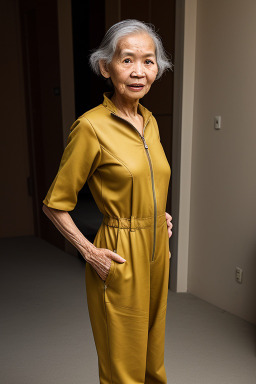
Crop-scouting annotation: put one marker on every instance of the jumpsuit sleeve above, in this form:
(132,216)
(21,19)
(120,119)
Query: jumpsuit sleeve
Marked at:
(79,160)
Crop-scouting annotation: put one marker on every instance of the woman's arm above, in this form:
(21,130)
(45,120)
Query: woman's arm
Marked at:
(99,258)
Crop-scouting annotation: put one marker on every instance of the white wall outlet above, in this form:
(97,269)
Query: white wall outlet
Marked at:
(217,122)
(239,274)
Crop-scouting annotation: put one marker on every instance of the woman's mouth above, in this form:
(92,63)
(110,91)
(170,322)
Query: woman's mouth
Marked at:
(135,87)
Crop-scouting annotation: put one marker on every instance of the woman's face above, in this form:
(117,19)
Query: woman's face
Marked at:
(133,67)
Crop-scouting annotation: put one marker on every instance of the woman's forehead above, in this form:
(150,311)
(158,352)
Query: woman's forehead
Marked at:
(134,43)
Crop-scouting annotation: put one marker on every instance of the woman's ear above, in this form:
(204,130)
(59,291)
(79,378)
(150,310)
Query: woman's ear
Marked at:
(104,69)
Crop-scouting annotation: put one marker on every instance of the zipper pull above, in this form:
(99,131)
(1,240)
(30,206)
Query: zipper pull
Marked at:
(145,145)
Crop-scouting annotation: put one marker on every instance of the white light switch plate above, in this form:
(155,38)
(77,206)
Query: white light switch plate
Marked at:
(217,122)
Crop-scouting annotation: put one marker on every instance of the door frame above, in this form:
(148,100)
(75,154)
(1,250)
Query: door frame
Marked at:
(184,77)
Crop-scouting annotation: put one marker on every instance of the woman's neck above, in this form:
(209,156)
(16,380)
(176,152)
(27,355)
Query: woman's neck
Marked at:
(125,107)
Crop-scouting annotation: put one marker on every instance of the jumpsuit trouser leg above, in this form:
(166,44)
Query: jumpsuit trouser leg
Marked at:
(128,310)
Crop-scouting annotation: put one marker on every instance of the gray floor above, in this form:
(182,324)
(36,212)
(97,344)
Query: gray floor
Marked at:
(46,335)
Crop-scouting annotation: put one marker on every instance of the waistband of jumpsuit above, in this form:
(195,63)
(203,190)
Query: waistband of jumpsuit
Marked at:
(133,222)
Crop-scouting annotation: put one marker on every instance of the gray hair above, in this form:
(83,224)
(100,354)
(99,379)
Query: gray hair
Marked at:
(123,28)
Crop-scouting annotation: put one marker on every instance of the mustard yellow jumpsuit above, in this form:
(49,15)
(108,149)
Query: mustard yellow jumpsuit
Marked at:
(128,175)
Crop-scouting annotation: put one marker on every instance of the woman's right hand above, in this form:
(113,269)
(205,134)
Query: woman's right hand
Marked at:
(100,260)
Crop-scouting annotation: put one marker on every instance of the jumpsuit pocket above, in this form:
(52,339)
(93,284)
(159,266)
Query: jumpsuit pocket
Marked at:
(111,272)
(114,264)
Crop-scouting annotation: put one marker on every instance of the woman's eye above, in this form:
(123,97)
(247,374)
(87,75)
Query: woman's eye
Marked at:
(127,60)
(149,61)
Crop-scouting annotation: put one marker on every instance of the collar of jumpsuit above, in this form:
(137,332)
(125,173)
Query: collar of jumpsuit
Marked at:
(112,108)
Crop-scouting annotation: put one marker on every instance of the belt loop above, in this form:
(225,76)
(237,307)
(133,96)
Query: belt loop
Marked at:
(118,219)
(132,228)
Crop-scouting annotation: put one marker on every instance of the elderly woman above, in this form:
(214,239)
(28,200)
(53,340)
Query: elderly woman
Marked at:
(116,148)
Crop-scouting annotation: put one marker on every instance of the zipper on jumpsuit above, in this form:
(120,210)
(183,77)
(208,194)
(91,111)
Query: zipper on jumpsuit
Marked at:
(152,175)
(154,197)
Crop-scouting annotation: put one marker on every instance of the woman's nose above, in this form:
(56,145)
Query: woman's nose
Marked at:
(138,70)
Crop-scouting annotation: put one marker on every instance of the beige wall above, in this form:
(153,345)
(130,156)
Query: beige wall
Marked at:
(223,178)
(16,216)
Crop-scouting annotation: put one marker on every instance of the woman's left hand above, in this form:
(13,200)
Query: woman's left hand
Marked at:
(169,227)
(169,223)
